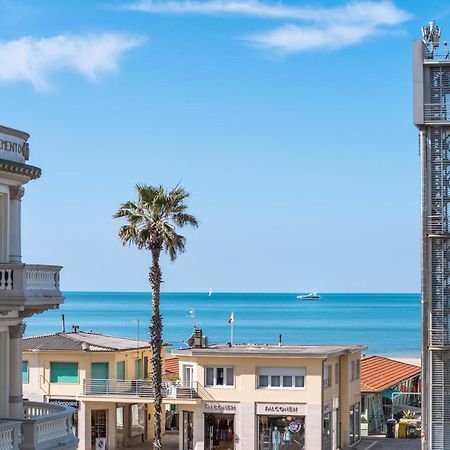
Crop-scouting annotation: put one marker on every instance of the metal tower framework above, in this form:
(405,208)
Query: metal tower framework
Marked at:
(431,78)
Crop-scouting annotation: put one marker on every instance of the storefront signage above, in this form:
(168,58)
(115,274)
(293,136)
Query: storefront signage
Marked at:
(220,407)
(280,409)
(65,402)
(13,148)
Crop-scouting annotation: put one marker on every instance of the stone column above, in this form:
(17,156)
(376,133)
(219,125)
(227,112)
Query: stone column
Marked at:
(4,374)
(84,426)
(15,371)
(15,244)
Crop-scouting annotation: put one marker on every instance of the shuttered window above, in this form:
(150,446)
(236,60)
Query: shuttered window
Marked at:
(63,372)
(120,370)
(25,378)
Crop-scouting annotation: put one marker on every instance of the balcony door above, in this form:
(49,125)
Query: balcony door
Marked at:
(188,376)
(99,375)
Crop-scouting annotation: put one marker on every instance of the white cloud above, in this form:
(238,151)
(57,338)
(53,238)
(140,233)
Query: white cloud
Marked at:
(34,60)
(318,27)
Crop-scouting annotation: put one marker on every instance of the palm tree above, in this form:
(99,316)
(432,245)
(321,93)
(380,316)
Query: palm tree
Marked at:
(152,223)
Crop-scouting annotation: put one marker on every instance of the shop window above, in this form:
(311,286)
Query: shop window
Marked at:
(327,432)
(327,376)
(279,377)
(355,423)
(219,376)
(25,373)
(219,432)
(64,372)
(281,432)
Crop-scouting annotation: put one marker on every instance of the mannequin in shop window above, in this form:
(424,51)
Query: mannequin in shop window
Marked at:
(287,438)
(276,439)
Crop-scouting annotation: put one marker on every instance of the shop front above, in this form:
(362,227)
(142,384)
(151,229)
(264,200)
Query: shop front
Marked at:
(280,426)
(219,425)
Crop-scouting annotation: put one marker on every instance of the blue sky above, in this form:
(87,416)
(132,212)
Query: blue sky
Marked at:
(290,124)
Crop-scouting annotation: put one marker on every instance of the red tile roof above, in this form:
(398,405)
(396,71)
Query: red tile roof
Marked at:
(379,373)
(172,366)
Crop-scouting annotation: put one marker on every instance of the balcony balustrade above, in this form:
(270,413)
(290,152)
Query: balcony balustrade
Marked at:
(10,437)
(47,426)
(29,281)
(141,389)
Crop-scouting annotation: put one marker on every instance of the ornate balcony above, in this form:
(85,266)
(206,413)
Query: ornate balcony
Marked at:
(45,427)
(10,437)
(31,287)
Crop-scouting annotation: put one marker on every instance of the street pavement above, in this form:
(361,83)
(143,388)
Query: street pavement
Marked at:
(384,443)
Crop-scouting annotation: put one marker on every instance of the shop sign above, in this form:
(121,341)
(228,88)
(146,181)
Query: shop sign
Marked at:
(220,407)
(327,406)
(13,148)
(65,402)
(280,409)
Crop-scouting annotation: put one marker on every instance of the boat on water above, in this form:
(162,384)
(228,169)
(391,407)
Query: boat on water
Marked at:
(312,296)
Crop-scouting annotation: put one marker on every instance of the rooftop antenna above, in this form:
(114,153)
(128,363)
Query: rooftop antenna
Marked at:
(430,36)
(63,323)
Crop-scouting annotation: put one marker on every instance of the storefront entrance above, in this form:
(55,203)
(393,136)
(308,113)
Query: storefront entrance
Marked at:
(281,432)
(219,432)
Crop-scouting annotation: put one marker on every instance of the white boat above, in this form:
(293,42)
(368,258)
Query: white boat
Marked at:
(312,296)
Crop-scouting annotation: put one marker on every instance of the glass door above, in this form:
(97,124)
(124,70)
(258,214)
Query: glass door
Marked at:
(188,430)
(188,376)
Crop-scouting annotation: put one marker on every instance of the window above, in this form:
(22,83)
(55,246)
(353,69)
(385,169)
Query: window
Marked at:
(281,378)
(63,372)
(354,369)
(327,375)
(336,373)
(138,368)
(120,370)
(25,378)
(219,376)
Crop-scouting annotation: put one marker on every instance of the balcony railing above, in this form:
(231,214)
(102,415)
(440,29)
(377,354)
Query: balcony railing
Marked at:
(47,426)
(29,280)
(436,112)
(10,438)
(140,389)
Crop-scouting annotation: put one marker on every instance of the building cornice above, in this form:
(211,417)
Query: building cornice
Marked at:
(31,172)
(13,132)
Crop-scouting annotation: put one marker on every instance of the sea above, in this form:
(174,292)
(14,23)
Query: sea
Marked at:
(389,324)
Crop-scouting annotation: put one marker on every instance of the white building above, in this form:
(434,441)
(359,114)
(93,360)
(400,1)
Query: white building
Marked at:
(25,289)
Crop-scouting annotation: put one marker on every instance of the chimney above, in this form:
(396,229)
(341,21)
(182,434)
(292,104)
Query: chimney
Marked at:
(75,328)
(63,323)
(198,338)
(280,337)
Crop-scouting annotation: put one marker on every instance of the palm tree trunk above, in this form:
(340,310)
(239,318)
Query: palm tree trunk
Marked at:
(156,343)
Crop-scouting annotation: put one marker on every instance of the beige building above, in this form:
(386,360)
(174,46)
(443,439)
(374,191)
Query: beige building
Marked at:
(270,397)
(105,378)
(25,290)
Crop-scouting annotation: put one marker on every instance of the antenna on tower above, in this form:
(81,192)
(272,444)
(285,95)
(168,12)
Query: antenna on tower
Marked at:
(430,36)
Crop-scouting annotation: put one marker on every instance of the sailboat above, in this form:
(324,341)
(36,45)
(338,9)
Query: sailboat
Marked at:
(210,292)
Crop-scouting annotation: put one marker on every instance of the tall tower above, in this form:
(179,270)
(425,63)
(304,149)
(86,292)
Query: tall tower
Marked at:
(431,81)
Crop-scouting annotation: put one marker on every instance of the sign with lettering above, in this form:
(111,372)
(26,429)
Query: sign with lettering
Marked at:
(280,409)
(220,407)
(13,148)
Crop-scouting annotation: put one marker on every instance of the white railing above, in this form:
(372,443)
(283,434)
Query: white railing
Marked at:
(9,435)
(29,280)
(437,224)
(138,388)
(47,426)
